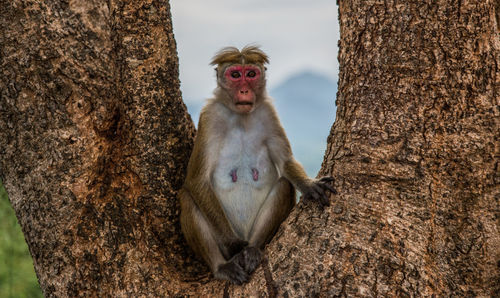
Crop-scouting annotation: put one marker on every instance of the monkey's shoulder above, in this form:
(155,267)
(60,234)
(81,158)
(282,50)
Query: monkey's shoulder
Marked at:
(213,120)
(214,111)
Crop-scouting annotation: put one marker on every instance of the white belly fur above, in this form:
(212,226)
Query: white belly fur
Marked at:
(241,200)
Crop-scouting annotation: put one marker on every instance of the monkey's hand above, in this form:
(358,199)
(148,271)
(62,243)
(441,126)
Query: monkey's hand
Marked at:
(249,258)
(233,272)
(238,269)
(317,190)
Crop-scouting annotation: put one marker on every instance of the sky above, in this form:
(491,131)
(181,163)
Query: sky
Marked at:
(298,35)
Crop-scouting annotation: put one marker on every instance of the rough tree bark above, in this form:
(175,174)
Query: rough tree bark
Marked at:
(94,139)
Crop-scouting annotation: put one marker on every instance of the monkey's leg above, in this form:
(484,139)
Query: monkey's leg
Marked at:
(275,209)
(278,204)
(200,236)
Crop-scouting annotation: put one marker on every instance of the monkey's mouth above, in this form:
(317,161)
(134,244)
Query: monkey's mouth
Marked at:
(244,106)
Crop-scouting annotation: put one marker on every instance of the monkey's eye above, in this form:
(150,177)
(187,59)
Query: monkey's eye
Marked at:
(251,74)
(235,74)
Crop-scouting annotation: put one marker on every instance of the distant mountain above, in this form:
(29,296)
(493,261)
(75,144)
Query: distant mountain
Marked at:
(306,107)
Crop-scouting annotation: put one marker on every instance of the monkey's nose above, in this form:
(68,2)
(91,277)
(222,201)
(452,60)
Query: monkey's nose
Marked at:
(243,91)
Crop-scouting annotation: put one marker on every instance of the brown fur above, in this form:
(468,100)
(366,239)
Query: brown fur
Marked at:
(198,186)
(295,172)
(247,55)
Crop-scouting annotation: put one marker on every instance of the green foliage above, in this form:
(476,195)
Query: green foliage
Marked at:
(17,276)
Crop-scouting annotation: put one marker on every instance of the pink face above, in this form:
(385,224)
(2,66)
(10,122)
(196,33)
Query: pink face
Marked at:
(243,80)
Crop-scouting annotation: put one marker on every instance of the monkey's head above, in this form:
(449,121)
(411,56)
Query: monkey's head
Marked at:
(241,74)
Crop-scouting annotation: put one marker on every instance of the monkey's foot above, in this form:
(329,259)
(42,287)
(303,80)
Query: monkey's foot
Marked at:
(232,272)
(249,258)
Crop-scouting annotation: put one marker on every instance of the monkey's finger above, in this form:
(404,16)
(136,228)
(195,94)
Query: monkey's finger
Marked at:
(329,187)
(233,272)
(327,179)
(311,195)
(253,256)
(239,259)
(239,277)
(315,195)
(321,195)
(325,200)
(319,190)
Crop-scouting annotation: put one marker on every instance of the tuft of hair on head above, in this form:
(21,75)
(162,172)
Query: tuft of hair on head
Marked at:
(248,55)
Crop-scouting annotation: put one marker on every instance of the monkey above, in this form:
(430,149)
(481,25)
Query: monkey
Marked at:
(241,176)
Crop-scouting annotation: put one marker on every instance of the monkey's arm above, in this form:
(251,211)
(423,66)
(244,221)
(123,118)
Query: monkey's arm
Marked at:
(310,188)
(281,154)
(198,185)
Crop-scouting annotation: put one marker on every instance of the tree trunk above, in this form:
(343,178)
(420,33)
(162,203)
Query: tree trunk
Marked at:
(415,151)
(94,143)
(95,140)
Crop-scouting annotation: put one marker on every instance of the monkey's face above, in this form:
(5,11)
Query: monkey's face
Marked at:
(244,83)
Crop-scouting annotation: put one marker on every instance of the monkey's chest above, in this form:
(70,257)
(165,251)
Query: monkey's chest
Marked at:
(243,177)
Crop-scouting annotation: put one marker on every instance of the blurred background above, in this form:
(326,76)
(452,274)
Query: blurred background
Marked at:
(301,39)
(17,276)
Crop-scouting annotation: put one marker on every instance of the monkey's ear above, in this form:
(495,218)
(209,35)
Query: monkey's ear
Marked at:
(216,71)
